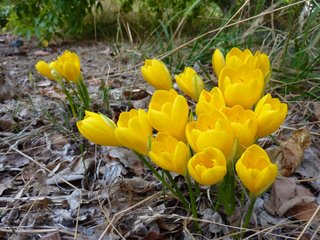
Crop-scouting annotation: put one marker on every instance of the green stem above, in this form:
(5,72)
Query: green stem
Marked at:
(226,191)
(177,189)
(69,97)
(193,202)
(249,212)
(83,92)
(164,182)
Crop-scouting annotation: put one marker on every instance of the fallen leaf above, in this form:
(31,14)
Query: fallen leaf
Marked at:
(74,200)
(290,154)
(287,195)
(137,184)
(304,212)
(69,171)
(128,158)
(112,170)
(310,168)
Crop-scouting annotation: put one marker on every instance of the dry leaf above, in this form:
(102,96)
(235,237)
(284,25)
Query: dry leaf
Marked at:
(128,158)
(304,212)
(310,168)
(69,171)
(292,151)
(137,184)
(287,195)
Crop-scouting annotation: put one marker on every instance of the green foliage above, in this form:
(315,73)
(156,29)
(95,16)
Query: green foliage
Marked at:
(172,13)
(47,18)
(4,12)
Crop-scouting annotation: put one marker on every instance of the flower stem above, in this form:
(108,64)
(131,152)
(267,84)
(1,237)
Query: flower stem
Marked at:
(226,192)
(177,190)
(193,202)
(249,212)
(178,194)
(69,97)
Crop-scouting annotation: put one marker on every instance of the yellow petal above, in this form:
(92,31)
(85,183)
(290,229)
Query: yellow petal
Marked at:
(218,62)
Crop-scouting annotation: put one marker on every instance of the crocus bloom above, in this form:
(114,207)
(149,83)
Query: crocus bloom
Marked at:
(255,170)
(236,58)
(56,69)
(210,101)
(70,63)
(134,131)
(98,128)
(270,114)
(168,112)
(169,153)
(190,83)
(208,166)
(44,69)
(244,124)
(243,86)
(211,130)
(156,74)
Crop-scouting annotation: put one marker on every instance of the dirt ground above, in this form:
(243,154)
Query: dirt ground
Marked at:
(49,190)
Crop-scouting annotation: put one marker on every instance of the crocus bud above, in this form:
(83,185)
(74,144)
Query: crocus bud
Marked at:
(156,74)
(255,170)
(218,62)
(134,131)
(98,128)
(168,112)
(208,166)
(169,153)
(44,69)
(270,114)
(190,83)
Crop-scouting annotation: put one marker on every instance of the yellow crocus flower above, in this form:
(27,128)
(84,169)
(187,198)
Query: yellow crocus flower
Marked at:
(98,128)
(210,101)
(44,69)
(134,131)
(156,74)
(168,112)
(244,125)
(208,166)
(211,130)
(255,170)
(243,86)
(169,153)
(190,83)
(270,114)
(236,58)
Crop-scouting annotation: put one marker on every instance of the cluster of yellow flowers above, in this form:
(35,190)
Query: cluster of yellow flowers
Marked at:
(66,66)
(222,134)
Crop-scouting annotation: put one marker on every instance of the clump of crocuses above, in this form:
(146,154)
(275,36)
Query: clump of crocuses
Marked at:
(66,71)
(209,145)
